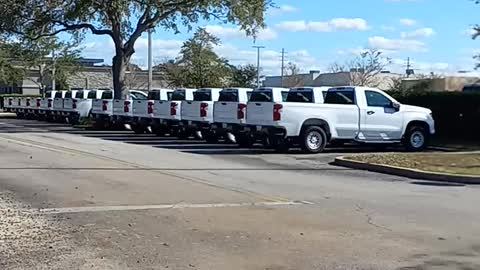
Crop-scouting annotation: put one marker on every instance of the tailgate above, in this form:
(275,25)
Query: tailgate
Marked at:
(58,104)
(140,107)
(161,109)
(225,112)
(68,104)
(191,110)
(97,106)
(118,107)
(260,113)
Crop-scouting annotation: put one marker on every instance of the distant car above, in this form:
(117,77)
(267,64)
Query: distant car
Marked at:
(471,88)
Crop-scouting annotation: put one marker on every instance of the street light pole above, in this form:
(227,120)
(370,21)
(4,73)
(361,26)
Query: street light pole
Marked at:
(150,72)
(258,63)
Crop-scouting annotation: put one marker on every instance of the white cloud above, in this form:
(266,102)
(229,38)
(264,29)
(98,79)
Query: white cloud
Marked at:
(336,24)
(383,43)
(407,22)
(388,28)
(468,32)
(230,32)
(351,51)
(419,33)
(281,10)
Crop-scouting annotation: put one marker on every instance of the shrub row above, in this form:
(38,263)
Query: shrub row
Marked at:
(456,114)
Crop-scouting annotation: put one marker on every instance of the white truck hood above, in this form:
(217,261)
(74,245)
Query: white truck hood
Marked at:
(410,108)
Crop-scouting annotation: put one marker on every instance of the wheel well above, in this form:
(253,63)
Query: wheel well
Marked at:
(418,123)
(319,123)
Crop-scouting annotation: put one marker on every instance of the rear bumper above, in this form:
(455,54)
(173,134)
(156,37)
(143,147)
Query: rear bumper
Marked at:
(262,131)
(227,128)
(195,125)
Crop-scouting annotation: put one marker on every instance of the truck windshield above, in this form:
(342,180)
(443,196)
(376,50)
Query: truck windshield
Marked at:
(79,94)
(340,97)
(228,96)
(301,96)
(107,95)
(154,95)
(92,94)
(138,95)
(68,94)
(179,95)
(58,95)
(261,96)
(202,95)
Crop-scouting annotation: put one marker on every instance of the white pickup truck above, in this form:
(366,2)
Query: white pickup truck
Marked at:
(167,114)
(78,104)
(102,109)
(123,108)
(230,112)
(46,105)
(143,110)
(197,114)
(360,114)
(57,110)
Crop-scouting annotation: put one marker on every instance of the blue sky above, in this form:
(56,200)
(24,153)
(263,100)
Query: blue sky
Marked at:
(435,34)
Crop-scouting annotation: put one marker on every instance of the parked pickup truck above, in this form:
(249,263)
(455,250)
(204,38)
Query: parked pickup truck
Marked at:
(123,108)
(102,109)
(167,114)
(46,105)
(359,114)
(143,110)
(229,114)
(78,104)
(8,104)
(263,110)
(197,114)
(57,110)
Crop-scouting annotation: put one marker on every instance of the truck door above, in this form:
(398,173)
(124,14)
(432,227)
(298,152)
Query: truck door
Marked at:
(380,121)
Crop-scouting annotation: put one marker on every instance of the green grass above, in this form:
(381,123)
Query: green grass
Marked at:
(462,164)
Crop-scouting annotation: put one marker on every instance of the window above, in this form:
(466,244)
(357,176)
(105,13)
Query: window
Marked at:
(92,94)
(342,97)
(179,95)
(58,95)
(107,95)
(154,95)
(249,94)
(138,95)
(68,94)
(48,94)
(202,95)
(79,94)
(375,99)
(228,95)
(284,95)
(261,96)
(301,96)
(169,95)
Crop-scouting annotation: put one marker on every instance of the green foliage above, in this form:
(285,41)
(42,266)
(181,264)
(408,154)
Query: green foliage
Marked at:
(456,114)
(243,76)
(9,74)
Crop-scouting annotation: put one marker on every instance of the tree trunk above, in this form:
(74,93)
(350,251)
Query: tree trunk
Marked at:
(119,68)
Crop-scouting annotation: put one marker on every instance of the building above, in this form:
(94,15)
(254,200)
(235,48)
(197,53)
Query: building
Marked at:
(446,83)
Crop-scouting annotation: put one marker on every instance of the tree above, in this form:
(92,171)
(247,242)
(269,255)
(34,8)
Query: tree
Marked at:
(244,76)
(9,74)
(173,72)
(292,76)
(364,69)
(51,59)
(124,21)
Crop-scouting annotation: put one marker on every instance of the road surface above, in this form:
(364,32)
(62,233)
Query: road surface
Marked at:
(76,199)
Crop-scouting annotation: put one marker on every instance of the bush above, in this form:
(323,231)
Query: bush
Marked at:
(456,114)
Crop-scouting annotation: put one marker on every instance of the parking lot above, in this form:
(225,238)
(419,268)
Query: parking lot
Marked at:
(84,199)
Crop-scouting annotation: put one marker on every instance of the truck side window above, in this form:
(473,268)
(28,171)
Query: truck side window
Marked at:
(92,94)
(340,97)
(79,94)
(375,99)
(154,95)
(301,96)
(58,95)
(68,94)
(179,95)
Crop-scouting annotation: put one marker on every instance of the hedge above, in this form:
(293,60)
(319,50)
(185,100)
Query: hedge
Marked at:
(456,114)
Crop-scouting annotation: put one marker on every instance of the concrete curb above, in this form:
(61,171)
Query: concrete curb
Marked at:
(410,173)
(7,115)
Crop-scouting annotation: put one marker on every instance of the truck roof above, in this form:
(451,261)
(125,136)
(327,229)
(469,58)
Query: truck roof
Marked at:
(272,88)
(321,88)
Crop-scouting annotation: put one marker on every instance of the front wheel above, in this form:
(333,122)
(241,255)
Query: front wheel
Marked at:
(313,140)
(416,139)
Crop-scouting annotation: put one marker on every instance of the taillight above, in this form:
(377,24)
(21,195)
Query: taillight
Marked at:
(126,106)
(104,105)
(28,102)
(74,103)
(150,108)
(203,109)
(277,112)
(38,103)
(241,111)
(173,108)
(49,103)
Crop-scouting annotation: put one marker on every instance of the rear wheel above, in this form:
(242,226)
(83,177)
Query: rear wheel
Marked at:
(313,140)
(416,139)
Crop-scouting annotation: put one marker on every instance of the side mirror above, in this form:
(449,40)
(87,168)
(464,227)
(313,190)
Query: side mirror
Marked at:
(396,106)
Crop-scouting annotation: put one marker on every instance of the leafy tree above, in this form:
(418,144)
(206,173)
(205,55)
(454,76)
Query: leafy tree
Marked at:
(53,60)
(9,74)
(244,76)
(124,21)
(173,72)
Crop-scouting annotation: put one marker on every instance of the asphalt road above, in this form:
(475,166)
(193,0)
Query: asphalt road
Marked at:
(76,199)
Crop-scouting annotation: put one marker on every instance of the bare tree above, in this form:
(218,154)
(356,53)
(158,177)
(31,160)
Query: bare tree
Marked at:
(292,76)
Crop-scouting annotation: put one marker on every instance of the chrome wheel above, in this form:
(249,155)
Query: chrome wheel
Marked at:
(417,139)
(314,140)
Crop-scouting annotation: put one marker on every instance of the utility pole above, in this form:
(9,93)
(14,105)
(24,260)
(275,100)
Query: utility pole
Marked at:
(150,72)
(283,65)
(258,63)
(54,83)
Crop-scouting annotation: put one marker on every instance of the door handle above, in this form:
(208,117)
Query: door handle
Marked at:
(370,112)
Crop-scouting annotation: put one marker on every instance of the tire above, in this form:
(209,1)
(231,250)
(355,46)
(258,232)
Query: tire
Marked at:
(416,139)
(313,140)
